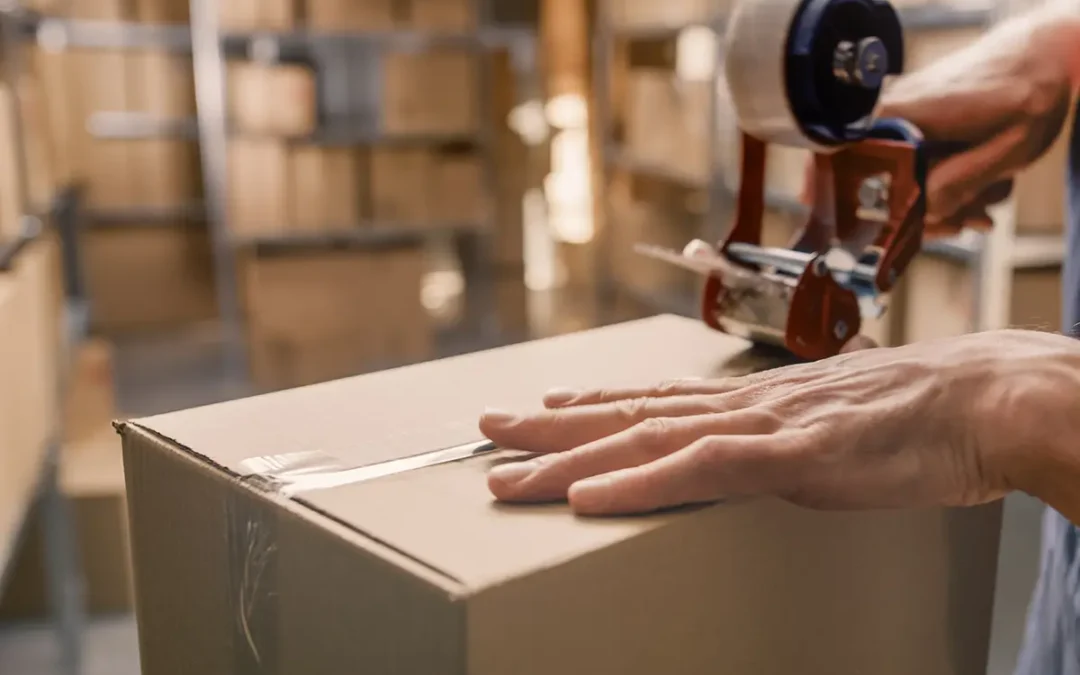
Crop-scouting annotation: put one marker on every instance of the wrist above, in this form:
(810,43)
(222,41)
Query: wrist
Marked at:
(1039,402)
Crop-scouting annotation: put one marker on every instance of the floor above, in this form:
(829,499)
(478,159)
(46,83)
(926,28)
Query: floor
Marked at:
(192,367)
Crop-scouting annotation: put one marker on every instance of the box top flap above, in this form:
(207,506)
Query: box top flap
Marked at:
(444,515)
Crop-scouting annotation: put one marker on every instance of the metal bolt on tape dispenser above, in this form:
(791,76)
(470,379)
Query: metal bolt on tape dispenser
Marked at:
(808,73)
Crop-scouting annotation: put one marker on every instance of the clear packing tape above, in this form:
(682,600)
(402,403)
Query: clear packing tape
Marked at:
(252,520)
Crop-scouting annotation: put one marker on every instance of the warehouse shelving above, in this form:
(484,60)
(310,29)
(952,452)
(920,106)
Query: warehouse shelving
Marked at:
(992,257)
(473,241)
(210,45)
(62,573)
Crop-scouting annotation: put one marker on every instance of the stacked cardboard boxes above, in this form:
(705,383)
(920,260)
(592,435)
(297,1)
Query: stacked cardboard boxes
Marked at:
(349,15)
(140,247)
(30,347)
(292,175)
(92,477)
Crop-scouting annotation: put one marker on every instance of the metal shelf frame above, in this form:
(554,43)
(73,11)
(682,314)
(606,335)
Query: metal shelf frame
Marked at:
(473,243)
(722,194)
(210,44)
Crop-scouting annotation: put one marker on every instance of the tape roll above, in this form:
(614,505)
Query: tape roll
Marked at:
(808,73)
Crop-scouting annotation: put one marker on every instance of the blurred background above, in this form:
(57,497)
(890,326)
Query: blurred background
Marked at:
(207,200)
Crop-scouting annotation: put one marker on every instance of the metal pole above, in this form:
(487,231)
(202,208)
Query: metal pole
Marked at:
(210,97)
(475,246)
(602,58)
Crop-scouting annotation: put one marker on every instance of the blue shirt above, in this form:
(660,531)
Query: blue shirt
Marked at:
(1052,640)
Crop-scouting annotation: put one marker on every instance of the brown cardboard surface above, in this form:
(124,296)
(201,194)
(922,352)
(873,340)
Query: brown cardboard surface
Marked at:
(326,187)
(272,99)
(92,477)
(422,572)
(148,277)
(430,92)
(29,369)
(314,316)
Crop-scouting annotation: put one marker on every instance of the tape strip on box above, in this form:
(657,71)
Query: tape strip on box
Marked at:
(252,523)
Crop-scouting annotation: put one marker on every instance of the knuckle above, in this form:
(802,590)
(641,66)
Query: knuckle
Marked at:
(651,431)
(765,420)
(632,409)
(671,387)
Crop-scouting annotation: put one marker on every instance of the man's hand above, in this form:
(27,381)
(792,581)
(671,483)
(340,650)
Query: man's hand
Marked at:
(959,421)
(1006,97)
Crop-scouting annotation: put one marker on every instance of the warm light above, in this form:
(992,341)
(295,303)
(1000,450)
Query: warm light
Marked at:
(568,111)
(696,53)
(527,121)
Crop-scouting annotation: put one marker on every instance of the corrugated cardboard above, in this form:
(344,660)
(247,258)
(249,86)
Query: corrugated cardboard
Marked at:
(666,121)
(92,477)
(164,11)
(315,315)
(163,84)
(401,186)
(430,92)
(29,371)
(272,99)
(420,572)
(148,277)
(100,83)
(258,188)
(167,173)
(640,13)
(103,10)
(12,203)
(448,16)
(460,191)
(259,14)
(350,15)
(326,186)
(104,557)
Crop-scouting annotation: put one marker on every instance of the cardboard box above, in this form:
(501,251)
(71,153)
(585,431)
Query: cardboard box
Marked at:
(163,84)
(272,99)
(647,13)
(420,572)
(666,120)
(259,14)
(12,204)
(51,70)
(312,314)
(512,303)
(459,188)
(91,391)
(164,11)
(29,374)
(430,92)
(100,83)
(327,188)
(258,188)
(941,299)
(444,16)
(92,477)
(100,10)
(401,186)
(167,173)
(350,15)
(148,277)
